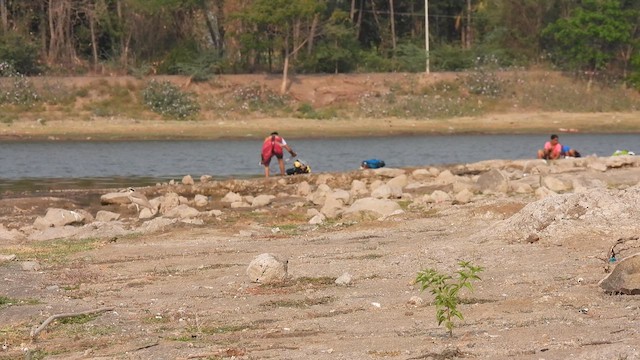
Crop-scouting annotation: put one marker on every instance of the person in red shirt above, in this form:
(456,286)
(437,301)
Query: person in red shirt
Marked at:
(272,146)
(552,149)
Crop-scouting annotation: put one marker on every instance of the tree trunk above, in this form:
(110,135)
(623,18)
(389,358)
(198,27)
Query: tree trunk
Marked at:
(3,17)
(297,24)
(375,15)
(393,27)
(91,11)
(359,25)
(468,36)
(352,12)
(285,69)
(312,33)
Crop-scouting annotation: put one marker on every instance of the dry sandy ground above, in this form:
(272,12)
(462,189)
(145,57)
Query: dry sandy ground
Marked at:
(511,123)
(183,293)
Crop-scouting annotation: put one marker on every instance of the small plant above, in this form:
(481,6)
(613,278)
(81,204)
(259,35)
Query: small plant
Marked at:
(445,289)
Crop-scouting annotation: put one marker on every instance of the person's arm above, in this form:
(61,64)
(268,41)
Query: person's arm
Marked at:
(289,149)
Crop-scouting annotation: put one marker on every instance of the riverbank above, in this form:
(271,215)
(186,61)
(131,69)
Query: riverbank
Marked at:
(255,128)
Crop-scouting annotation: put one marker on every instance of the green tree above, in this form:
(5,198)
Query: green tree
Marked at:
(593,36)
(280,23)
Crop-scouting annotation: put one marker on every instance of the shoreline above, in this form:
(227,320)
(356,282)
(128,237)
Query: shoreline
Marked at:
(102,129)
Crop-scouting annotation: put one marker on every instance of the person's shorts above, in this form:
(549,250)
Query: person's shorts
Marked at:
(266,162)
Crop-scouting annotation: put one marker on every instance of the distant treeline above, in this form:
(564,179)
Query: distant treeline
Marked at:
(205,37)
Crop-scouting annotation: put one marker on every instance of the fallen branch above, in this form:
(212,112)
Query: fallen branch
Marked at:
(35,332)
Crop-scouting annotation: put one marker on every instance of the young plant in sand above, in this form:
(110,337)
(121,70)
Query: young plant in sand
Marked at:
(445,288)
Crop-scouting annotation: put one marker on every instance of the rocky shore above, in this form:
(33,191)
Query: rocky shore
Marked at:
(174,268)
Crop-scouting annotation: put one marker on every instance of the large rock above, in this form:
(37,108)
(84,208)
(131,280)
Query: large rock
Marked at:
(377,207)
(624,278)
(267,268)
(494,181)
(115,198)
(182,212)
(262,200)
(58,218)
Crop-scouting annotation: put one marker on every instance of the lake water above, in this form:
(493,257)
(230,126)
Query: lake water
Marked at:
(111,164)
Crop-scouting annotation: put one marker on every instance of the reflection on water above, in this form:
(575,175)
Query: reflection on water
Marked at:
(45,165)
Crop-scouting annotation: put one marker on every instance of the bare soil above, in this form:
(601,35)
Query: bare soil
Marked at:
(183,293)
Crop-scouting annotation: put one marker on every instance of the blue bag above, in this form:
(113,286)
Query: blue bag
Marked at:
(372,164)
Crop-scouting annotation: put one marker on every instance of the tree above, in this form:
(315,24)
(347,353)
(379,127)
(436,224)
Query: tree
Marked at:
(279,23)
(593,36)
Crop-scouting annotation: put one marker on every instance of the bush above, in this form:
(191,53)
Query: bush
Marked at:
(168,100)
(20,53)
(18,90)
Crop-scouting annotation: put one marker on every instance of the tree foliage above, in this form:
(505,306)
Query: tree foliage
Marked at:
(593,36)
(200,36)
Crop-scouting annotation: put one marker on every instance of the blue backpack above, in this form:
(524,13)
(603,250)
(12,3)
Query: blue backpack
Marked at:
(372,164)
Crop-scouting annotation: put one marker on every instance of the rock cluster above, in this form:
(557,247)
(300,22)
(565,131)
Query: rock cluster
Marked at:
(566,189)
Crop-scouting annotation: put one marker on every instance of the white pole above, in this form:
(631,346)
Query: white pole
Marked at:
(426,30)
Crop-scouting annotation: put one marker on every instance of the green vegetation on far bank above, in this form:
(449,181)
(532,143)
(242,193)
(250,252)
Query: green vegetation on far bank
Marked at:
(404,96)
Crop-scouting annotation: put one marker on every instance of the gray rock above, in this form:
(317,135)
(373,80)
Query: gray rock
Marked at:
(555,184)
(494,181)
(267,268)
(187,180)
(624,278)
(57,218)
(106,216)
(115,198)
(182,212)
(5,258)
(30,266)
(200,200)
(262,200)
(378,207)
(344,279)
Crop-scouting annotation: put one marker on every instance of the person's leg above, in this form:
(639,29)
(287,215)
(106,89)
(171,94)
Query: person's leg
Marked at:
(266,167)
(540,154)
(281,164)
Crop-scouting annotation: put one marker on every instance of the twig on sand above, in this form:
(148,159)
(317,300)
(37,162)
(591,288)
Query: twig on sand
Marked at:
(36,331)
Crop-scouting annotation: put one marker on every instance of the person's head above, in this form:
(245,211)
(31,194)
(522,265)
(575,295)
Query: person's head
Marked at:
(554,139)
(274,133)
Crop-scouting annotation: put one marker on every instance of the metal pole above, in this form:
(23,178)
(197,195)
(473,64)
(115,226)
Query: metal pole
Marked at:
(426,30)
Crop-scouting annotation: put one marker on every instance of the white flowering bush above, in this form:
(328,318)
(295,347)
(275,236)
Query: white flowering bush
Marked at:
(168,100)
(18,90)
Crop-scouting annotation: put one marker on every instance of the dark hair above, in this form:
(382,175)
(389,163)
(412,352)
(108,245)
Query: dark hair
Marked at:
(274,133)
(554,136)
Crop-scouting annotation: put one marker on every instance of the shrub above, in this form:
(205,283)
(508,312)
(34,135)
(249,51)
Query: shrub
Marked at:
(18,90)
(167,99)
(446,288)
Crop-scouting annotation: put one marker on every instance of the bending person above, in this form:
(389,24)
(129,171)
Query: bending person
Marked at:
(272,146)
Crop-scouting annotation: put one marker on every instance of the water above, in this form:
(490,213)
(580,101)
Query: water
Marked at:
(113,164)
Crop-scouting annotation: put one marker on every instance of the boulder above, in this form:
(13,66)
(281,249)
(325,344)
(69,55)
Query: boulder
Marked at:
(267,268)
(58,218)
(377,207)
(115,198)
(262,200)
(200,200)
(624,278)
(494,181)
(187,180)
(231,197)
(106,216)
(182,212)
